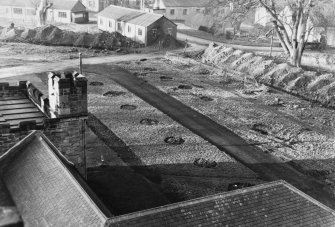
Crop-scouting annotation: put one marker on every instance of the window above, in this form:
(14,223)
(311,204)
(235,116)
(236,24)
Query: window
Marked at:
(154,33)
(17,10)
(198,10)
(31,12)
(119,27)
(110,24)
(171,11)
(62,14)
(185,12)
(91,4)
(129,28)
(101,21)
(140,32)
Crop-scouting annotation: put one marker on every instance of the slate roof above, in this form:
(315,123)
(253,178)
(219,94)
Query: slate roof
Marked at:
(185,3)
(130,15)
(271,204)
(17,109)
(45,187)
(72,5)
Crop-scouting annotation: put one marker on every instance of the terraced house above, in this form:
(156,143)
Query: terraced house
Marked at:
(60,11)
(140,26)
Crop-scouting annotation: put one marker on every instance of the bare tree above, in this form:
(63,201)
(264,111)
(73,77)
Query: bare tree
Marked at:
(291,20)
(229,11)
(41,7)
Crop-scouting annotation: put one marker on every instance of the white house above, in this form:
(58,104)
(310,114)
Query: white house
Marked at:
(60,12)
(140,26)
(178,10)
(263,18)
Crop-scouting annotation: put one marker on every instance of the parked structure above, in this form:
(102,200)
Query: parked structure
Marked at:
(60,11)
(178,10)
(140,26)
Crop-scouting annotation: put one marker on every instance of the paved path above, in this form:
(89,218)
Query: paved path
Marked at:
(266,165)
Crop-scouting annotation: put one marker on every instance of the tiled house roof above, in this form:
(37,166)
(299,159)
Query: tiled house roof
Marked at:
(46,189)
(272,204)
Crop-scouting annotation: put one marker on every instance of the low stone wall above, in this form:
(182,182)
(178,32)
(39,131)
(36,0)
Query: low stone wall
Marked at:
(307,84)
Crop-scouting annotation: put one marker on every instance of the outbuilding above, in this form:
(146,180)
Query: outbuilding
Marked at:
(142,27)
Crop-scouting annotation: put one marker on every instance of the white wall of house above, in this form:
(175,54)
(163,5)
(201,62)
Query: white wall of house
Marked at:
(19,13)
(27,14)
(62,16)
(136,33)
(130,31)
(141,37)
(331,36)
(91,5)
(262,17)
(102,23)
(179,13)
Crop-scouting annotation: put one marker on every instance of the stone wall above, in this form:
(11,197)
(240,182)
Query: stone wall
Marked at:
(9,91)
(68,135)
(66,114)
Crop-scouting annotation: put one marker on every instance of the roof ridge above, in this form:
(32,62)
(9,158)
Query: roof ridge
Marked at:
(197,200)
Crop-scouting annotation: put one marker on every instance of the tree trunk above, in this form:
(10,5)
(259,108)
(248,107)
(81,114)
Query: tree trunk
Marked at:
(295,57)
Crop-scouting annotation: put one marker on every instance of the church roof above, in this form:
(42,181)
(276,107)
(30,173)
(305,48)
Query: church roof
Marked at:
(272,204)
(46,188)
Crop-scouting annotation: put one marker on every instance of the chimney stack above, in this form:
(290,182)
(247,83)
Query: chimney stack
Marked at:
(67,95)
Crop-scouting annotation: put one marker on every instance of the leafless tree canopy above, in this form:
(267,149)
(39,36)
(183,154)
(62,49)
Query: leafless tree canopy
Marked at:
(291,19)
